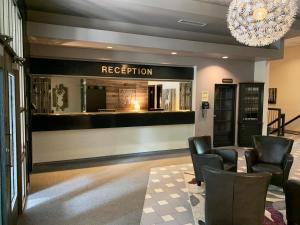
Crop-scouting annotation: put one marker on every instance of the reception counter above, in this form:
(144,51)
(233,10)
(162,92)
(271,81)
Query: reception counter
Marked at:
(61,137)
(78,121)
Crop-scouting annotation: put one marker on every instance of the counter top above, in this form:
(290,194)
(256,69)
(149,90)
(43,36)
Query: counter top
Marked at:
(97,120)
(106,113)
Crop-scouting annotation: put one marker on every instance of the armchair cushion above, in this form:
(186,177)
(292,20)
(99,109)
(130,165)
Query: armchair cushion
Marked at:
(272,149)
(264,167)
(203,145)
(228,155)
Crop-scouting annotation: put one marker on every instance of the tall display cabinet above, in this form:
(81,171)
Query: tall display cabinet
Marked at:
(251,96)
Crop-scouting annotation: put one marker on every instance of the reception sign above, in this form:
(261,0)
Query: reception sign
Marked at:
(41,66)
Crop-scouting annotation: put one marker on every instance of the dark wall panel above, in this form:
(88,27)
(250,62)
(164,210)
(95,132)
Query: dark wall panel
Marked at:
(89,68)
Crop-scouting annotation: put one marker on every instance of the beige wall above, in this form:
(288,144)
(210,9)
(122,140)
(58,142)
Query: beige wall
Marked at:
(285,76)
(211,72)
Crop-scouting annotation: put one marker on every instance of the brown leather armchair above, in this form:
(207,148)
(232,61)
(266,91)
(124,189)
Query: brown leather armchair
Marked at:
(234,198)
(292,200)
(203,155)
(271,154)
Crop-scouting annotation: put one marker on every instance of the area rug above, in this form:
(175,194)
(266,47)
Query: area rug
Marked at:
(275,206)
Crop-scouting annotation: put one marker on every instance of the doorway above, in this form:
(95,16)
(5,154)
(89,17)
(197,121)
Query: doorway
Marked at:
(224,115)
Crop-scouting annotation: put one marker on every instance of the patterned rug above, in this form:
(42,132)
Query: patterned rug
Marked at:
(275,207)
(171,200)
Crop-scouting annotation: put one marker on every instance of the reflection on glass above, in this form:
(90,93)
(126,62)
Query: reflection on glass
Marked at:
(61,94)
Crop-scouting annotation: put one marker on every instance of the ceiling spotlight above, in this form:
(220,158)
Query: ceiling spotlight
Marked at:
(174,53)
(109,47)
(225,57)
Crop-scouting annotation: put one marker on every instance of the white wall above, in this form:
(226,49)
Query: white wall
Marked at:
(261,74)
(76,144)
(74,92)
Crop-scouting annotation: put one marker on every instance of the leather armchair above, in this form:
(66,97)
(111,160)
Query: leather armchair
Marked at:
(292,200)
(203,155)
(271,154)
(234,198)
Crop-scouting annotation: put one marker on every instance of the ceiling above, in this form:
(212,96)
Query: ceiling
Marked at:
(135,11)
(145,17)
(156,13)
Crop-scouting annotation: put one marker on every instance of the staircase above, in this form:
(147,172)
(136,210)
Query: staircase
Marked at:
(278,126)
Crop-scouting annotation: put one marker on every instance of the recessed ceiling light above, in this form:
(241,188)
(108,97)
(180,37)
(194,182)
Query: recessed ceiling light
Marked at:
(225,57)
(109,47)
(174,53)
(192,23)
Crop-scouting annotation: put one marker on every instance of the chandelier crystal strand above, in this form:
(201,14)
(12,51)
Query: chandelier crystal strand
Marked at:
(260,22)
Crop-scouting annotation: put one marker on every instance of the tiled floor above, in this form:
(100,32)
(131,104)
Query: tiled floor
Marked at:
(167,200)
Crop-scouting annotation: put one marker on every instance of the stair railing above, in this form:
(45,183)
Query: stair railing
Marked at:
(276,121)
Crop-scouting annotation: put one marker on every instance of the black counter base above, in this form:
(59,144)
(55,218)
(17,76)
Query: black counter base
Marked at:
(50,122)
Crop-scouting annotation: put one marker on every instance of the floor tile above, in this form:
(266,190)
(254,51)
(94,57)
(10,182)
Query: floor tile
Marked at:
(168,218)
(148,210)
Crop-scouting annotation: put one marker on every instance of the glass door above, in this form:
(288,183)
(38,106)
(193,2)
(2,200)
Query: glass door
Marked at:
(12,141)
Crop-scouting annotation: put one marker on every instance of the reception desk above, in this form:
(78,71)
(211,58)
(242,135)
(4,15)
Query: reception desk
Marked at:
(84,110)
(92,135)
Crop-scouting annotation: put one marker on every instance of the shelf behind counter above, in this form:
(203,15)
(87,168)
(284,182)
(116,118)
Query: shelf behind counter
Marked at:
(78,121)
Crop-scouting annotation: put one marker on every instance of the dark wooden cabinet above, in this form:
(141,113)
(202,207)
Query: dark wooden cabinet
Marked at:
(251,96)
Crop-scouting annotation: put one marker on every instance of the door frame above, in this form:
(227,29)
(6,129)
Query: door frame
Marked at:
(234,120)
(3,217)
(9,215)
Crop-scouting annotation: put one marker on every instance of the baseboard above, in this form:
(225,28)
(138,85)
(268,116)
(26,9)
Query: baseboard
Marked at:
(104,160)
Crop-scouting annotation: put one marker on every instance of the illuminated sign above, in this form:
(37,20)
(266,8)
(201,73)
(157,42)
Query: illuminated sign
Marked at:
(126,70)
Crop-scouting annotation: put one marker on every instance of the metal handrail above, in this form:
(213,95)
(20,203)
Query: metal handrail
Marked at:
(276,121)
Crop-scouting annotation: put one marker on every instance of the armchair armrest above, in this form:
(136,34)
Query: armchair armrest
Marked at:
(211,160)
(251,158)
(228,155)
(292,200)
(287,165)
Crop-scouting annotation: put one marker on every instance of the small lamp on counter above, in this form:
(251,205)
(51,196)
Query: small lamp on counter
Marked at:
(136,105)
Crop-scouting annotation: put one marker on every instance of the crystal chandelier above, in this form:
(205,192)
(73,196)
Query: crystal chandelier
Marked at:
(260,22)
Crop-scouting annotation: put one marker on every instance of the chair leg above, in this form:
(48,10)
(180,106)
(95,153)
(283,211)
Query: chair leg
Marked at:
(199,183)
(200,222)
